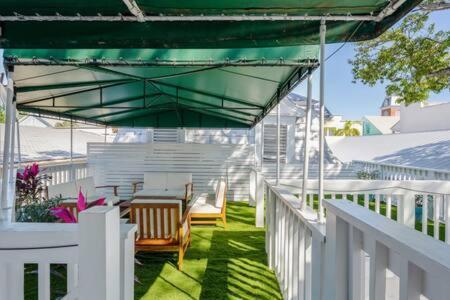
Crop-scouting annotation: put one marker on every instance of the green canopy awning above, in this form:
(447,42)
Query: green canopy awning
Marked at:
(197,63)
(158,88)
(113,25)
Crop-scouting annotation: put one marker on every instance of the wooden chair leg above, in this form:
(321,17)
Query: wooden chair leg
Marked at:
(224,220)
(180,257)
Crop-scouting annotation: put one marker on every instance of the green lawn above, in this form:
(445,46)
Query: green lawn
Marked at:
(220,264)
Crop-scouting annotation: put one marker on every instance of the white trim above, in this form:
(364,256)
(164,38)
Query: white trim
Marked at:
(133,7)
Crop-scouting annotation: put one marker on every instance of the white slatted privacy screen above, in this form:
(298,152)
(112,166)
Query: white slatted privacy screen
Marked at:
(125,163)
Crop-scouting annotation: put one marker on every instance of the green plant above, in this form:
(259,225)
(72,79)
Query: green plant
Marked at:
(37,212)
(368,175)
(30,185)
(348,130)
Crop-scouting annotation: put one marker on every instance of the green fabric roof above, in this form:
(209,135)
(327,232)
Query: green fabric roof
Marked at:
(135,69)
(213,88)
(196,34)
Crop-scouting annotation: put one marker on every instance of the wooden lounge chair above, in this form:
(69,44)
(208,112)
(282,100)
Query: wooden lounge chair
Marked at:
(162,227)
(164,185)
(206,210)
(69,191)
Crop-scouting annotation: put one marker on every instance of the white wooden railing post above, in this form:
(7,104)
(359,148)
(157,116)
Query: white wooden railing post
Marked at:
(406,209)
(127,240)
(99,251)
(336,256)
(259,195)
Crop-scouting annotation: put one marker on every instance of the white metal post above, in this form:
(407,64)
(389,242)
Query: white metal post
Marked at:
(6,204)
(71,141)
(19,150)
(306,141)
(278,144)
(322,117)
(262,145)
(12,156)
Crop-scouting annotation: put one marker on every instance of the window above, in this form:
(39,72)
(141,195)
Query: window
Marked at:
(270,143)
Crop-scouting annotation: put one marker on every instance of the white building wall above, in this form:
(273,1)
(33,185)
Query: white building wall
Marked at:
(420,117)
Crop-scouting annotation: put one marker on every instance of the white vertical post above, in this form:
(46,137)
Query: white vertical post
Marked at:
(336,252)
(127,262)
(99,250)
(71,141)
(12,156)
(19,150)
(406,209)
(262,145)
(322,116)
(259,195)
(106,133)
(6,204)
(306,141)
(278,144)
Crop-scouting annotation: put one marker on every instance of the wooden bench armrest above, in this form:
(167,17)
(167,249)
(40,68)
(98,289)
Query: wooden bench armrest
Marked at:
(115,188)
(135,184)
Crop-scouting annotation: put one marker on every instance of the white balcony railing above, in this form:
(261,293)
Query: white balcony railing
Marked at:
(402,201)
(396,172)
(98,253)
(355,254)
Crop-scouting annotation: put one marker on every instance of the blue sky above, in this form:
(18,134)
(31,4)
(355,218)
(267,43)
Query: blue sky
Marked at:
(342,97)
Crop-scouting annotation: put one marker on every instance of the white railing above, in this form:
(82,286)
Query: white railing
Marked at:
(396,172)
(369,256)
(399,200)
(62,172)
(294,245)
(356,254)
(98,254)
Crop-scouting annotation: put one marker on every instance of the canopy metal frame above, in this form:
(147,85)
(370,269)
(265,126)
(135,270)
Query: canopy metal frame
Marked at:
(137,15)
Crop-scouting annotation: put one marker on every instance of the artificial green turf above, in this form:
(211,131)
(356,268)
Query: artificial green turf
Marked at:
(220,264)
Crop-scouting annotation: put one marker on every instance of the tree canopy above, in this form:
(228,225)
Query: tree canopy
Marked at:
(413,58)
(348,130)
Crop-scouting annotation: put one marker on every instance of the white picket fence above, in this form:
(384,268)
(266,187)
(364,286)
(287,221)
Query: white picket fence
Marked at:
(123,164)
(356,254)
(98,253)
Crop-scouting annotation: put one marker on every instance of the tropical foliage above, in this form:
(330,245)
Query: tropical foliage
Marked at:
(413,58)
(30,185)
(348,130)
(65,215)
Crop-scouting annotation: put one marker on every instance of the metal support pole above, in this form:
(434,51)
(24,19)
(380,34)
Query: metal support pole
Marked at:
(278,144)
(5,203)
(13,132)
(262,144)
(323,30)
(106,133)
(19,150)
(307,138)
(71,141)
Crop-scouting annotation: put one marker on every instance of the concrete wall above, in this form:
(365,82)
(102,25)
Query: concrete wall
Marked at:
(420,117)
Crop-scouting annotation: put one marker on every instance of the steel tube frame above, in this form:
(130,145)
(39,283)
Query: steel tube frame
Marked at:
(323,30)
(138,16)
(6,205)
(306,146)
(278,143)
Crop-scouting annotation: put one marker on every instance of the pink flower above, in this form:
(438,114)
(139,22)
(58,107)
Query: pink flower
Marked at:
(66,215)
(34,169)
(63,214)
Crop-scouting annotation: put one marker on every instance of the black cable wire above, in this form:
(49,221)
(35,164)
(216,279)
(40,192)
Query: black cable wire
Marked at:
(345,42)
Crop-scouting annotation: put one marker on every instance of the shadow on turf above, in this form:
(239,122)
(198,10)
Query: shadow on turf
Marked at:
(236,268)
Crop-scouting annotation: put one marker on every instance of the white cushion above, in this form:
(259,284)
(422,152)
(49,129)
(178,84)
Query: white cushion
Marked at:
(86,185)
(178,180)
(220,195)
(65,190)
(155,180)
(179,193)
(206,207)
